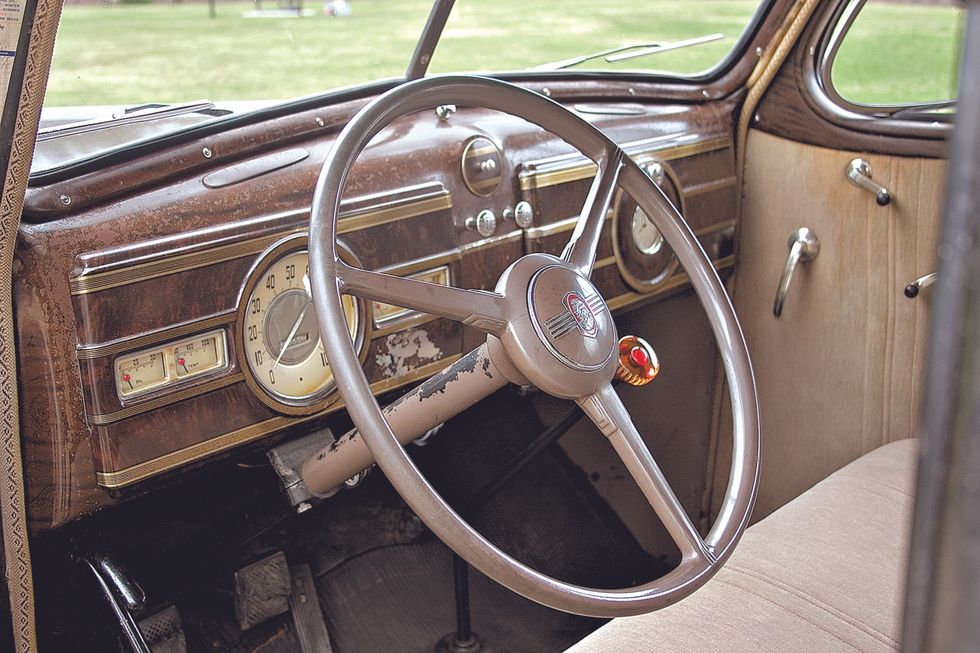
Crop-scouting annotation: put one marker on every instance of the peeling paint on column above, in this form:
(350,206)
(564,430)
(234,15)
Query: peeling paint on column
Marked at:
(405,351)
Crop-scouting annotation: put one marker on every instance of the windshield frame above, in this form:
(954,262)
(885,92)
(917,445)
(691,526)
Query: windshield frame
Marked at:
(425,45)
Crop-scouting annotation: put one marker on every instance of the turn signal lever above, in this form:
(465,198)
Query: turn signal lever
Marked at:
(638,363)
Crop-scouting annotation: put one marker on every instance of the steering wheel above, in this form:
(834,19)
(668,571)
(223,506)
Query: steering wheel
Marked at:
(546,324)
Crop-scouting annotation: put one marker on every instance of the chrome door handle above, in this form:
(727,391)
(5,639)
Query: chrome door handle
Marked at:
(803,247)
(859,173)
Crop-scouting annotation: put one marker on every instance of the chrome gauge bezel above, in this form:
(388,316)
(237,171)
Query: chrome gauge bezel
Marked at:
(280,402)
(630,264)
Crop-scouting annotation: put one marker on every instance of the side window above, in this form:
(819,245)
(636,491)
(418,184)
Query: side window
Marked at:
(885,56)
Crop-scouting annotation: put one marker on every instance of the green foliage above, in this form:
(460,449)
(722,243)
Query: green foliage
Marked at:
(163,52)
(897,53)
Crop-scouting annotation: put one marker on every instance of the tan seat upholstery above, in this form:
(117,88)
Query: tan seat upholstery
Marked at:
(826,572)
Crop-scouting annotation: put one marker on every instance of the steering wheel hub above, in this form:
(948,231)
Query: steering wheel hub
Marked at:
(571,319)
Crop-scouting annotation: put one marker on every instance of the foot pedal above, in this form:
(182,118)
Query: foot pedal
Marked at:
(307,615)
(262,590)
(163,631)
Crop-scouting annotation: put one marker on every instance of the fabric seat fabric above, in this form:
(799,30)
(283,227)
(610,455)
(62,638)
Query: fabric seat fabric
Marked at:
(826,572)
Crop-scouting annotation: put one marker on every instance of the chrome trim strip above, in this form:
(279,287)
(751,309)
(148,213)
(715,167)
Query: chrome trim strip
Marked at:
(133,343)
(707,187)
(163,264)
(217,444)
(551,172)
(101,419)
(669,284)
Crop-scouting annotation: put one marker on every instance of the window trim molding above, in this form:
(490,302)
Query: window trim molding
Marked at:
(821,49)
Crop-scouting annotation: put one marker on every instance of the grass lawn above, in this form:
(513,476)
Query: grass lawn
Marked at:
(134,53)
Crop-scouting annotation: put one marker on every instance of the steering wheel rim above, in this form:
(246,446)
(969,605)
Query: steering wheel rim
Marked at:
(328,275)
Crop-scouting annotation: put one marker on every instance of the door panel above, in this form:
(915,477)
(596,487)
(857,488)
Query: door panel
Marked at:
(840,372)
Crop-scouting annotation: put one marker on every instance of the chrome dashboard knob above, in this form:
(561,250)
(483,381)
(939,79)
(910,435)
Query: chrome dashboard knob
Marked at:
(523,214)
(485,223)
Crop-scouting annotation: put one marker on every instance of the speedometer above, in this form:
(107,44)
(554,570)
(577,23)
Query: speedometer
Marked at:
(280,342)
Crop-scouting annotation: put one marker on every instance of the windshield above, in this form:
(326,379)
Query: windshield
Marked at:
(136,70)
(135,52)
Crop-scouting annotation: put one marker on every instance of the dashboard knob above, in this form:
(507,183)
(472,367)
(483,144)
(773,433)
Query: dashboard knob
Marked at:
(485,223)
(523,214)
(638,363)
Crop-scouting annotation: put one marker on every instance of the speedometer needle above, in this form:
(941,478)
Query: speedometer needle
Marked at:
(299,320)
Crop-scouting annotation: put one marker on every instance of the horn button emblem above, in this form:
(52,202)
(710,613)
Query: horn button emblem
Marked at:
(570,318)
(579,314)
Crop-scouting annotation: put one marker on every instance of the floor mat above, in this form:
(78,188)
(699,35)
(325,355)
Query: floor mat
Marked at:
(412,587)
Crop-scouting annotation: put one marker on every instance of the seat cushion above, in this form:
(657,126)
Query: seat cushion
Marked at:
(826,572)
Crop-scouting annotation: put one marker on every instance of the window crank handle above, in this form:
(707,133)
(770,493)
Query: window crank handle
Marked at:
(803,247)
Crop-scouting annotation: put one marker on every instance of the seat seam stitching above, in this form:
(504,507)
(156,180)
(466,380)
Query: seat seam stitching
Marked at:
(792,612)
(817,603)
(879,483)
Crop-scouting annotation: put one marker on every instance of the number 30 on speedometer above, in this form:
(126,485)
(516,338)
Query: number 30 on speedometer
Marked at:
(280,338)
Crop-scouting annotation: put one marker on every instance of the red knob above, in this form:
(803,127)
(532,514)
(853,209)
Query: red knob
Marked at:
(638,364)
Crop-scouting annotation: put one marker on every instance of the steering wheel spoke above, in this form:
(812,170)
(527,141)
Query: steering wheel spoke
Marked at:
(582,247)
(476,308)
(609,414)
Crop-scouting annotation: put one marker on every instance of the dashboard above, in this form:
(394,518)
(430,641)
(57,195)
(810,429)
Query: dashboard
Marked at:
(164,315)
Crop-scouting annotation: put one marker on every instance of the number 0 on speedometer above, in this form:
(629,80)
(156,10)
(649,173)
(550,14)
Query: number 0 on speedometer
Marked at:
(281,340)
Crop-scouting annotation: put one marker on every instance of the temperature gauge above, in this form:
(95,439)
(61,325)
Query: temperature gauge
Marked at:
(168,365)
(140,373)
(199,355)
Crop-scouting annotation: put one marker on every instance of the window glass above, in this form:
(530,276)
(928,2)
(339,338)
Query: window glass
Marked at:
(138,52)
(135,52)
(899,53)
(522,34)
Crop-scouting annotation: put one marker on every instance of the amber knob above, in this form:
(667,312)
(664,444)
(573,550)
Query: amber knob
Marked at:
(638,364)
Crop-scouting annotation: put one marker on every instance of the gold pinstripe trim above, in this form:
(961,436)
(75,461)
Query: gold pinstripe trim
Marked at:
(351,221)
(708,187)
(578,171)
(376,217)
(491,182)
(715,228)
(671,283)
(551,229)
(89,352)
(101,419)
(472,153)
(166,462)
(89,283)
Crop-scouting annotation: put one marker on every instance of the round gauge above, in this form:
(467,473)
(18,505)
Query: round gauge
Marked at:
(280,340)
(644,257)
(646,236)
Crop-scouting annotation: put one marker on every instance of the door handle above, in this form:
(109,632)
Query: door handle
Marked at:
(803,247)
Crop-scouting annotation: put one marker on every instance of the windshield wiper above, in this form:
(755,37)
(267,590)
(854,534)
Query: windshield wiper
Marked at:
(630,52)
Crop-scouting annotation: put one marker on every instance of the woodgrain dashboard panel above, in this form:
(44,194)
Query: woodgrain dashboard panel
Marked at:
(150,253)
